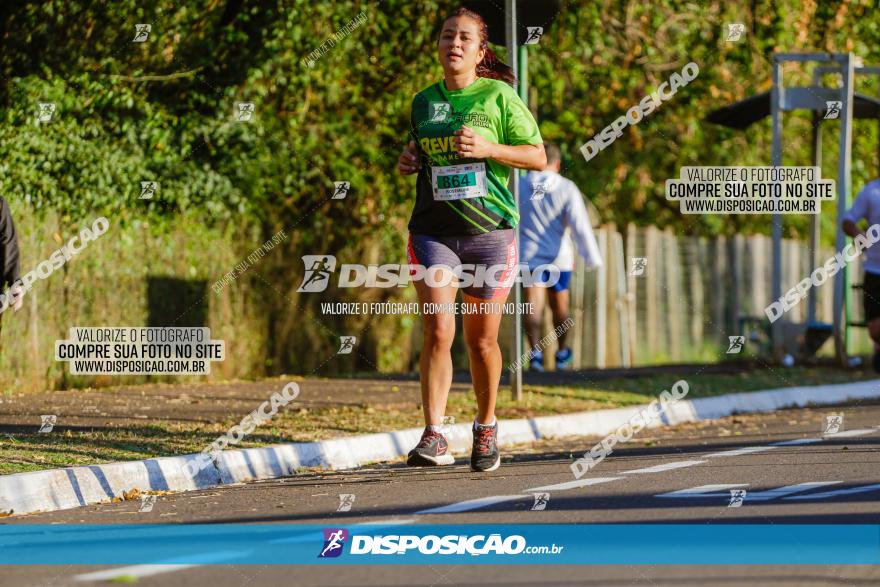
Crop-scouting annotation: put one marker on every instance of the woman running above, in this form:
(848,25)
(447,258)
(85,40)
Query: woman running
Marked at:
(469,130)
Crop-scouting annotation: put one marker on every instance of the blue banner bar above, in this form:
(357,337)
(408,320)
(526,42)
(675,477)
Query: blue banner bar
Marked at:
(556,544)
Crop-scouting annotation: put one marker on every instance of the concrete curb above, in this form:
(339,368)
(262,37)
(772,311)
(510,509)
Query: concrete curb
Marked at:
(72,487)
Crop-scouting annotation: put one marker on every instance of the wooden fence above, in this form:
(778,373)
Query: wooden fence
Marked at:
(691,296)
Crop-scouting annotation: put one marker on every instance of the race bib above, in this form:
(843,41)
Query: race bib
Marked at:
(459,182)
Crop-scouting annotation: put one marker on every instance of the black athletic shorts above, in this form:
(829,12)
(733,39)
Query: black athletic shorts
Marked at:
(493,251)
(871,293)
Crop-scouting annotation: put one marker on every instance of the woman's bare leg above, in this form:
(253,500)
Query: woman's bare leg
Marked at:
(481,336)
(435,364)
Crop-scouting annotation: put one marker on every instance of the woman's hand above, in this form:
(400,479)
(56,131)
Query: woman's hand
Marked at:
(408,162)
(17,294)
(471,145)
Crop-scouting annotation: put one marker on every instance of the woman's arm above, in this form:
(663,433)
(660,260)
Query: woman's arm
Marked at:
(470,144)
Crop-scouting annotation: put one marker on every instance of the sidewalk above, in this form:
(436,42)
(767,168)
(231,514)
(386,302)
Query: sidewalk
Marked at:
(136,422)
(143,431)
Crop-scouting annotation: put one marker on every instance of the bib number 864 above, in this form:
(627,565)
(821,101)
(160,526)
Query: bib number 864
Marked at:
(455,181)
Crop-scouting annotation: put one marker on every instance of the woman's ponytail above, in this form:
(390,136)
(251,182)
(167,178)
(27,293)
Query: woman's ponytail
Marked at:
(494,68)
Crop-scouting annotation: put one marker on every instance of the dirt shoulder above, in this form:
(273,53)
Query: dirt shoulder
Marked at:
(146,421)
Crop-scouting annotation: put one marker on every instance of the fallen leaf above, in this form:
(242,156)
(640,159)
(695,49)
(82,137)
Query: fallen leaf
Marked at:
(131,495)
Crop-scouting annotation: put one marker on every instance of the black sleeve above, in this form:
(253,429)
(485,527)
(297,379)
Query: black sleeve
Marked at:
(9,266)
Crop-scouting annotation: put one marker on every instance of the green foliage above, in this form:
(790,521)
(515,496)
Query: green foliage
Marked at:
(163,110)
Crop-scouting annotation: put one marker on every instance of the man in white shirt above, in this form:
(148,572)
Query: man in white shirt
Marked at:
(867,207)
(552,214)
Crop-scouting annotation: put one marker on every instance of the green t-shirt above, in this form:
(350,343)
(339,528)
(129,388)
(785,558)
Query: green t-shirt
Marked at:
(492,109)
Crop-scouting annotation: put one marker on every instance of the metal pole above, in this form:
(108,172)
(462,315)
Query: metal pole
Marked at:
(815,226)
(516,376)
(776,97)
(522,74)
(841,280)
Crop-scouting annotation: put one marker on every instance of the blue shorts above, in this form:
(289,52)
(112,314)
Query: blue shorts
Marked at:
(561,285)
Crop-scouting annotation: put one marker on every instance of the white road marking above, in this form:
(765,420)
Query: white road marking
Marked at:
(132,571)
(471,504)
(836,492)
(796,442)
(391,522)
(851,433)
(573,484)
(740,451)
(717,490)
(663,467)
(787,490)
(159,568)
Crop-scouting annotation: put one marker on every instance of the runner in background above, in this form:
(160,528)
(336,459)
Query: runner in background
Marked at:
(867,207)
(9,265)
(552,212)
(469,130)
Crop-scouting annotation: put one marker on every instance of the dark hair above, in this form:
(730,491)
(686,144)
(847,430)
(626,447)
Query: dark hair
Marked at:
(553,153)
(490,66)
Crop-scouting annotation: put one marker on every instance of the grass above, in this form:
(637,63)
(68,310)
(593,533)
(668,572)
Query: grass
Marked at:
(31,452)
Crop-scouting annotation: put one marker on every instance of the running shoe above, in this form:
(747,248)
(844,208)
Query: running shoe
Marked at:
(432,450)
(563,359)
(485,455)
(537,362)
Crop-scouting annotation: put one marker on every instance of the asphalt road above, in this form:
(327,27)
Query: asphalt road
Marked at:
(791,471)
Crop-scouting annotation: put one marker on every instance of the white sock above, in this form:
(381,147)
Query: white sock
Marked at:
(433,428)
(476,424)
